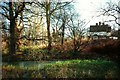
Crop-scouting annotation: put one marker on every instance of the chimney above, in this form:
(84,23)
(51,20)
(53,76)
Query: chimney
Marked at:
(103,24)
(96,24)
(99,23)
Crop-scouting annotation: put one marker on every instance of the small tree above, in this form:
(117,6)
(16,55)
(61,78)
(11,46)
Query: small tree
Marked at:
(76,30)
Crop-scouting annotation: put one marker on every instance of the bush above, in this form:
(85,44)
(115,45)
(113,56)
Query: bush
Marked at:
(65,51)
(34,53)
(105,48)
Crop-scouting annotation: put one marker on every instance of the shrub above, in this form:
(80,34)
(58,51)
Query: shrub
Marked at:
(34,53)
(105,48)
(65,51)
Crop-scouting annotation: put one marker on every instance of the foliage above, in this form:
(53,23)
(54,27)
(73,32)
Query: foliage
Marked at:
(99,49)
(5,51)
(34,53)
(105,48)
(65,51)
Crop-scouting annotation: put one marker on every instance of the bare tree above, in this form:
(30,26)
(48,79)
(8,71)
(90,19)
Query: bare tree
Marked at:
(11,10)
(76,31)
(60,23)
(112,10)
(49,8)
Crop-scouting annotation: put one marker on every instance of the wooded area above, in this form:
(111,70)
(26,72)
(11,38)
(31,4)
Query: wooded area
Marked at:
(51,31)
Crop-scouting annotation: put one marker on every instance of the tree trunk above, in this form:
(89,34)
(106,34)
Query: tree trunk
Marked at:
(12,50)
(12,37)
(74,41)
(63,31)
(48,25)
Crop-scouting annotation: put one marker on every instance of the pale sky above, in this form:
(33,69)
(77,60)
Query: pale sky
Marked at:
(88,9)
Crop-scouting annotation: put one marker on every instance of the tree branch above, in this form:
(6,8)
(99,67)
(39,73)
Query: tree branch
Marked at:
(5,15)
(20,9)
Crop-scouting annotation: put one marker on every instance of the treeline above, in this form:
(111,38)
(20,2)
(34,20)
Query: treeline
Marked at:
(32,23)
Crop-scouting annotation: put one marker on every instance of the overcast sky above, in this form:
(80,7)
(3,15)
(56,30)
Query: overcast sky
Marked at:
(89,9)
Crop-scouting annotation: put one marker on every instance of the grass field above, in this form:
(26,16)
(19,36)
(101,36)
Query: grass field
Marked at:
(64,69)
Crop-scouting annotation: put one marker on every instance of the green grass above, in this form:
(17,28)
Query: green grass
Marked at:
(65,69)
